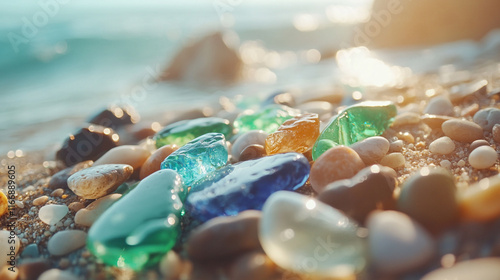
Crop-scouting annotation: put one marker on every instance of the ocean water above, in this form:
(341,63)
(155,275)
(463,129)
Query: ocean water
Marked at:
(61,61)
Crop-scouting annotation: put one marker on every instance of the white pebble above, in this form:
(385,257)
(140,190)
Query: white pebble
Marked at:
(397,243)
(461,163)
(246,139)
(406,118)
(483,157)
(396,146)
(57,274)
(445,163)
(371,149)
(393,160)
(439,105)
(65,242)
(53,213)
(442,146)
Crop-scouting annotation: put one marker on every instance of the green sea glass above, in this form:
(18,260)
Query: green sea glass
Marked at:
(354,124)
(268,119)
(137,230)
(180,133)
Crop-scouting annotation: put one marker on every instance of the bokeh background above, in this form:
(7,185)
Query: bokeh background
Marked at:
(82,55)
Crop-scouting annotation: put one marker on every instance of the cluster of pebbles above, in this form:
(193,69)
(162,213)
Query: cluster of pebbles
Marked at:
(454,125)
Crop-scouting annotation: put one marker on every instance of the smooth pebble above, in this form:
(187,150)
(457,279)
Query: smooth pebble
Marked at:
(209,241)
(478,143)
(397,243)
(170,266)
(337,163)
(371,149)
(439,105)
(100,180)
(434,121)
(88,215)
(396,146)
(66,241)
(479,202)
(371,188)
(393,160)
(132,155)
(251,266)
(462,130)
(57,274)
(483,269)
(51,214)
(252,152)
(246,139)
(31,269)
(429,196)
(60,179)
(483,157)
(153,163)
(41,200)
(443,146)
(487,118)
(89,143)
(406,118)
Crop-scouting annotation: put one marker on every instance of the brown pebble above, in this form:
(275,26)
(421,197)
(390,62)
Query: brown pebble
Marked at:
(407,137)
(434,121)
(60,179)
(496,133)
(462,130)
(57,193)
(251,266)
(407,118)
(337,163)
(393,160)
(64,263)
(75,206)
(254,151)
(87,216)
(132,155)
(152,164)
(99,180)
(6,274)
(40,200)
(210,240)
(171,266)
(371,188)
(88,143)
(479,202)
(32,269)
(478,143)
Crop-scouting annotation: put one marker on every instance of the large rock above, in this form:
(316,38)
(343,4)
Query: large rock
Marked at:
(207,61)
